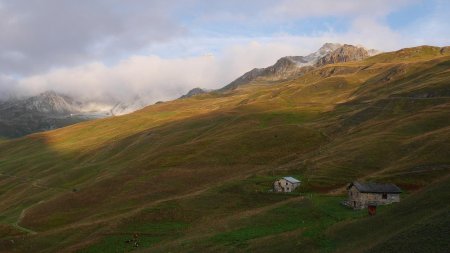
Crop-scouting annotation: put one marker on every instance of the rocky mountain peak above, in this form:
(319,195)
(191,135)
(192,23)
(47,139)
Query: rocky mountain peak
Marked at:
(344,53)
(48,110)
(52,102)
(289,66)
(329,47)
(284,64)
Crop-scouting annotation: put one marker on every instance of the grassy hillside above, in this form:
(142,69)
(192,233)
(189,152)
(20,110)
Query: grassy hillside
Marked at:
(194,174)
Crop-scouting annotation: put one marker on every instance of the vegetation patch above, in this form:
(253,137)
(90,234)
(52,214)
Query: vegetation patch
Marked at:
(312,215)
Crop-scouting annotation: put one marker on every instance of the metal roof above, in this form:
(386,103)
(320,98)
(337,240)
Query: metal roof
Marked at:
(371,187)
(292,180)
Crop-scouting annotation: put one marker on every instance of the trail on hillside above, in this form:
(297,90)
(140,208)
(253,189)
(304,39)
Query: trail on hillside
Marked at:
(134,211)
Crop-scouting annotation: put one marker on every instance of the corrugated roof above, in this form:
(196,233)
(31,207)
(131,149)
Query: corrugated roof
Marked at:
(371,187)
(292,180)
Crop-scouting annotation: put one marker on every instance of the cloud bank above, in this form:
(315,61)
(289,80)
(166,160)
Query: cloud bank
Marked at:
(116,49)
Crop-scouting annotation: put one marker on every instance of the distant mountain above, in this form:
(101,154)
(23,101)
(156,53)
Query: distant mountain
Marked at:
(292,66)
(50,110)
(46,111)
(46,102)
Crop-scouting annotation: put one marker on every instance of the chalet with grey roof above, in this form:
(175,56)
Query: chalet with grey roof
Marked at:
(286,184)
(361,195)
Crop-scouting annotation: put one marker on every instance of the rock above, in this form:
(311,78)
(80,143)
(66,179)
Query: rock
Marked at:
(194,92)
(344,53)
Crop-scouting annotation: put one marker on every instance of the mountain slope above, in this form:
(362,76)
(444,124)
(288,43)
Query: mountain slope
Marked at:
(294,66)
(193,174)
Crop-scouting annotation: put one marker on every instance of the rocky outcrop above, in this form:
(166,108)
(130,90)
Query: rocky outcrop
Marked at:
(50,102)
(244,79)
(344,53)
(194,92)
(445,50)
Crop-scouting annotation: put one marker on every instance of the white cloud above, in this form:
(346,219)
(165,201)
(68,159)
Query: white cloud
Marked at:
(153,77)
(156,78)
(55,33)
(7,86)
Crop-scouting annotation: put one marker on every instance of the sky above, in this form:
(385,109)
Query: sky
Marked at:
(107,50)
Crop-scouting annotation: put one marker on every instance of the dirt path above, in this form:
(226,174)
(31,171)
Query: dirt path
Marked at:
(16,224)
(33,182)
(135,211)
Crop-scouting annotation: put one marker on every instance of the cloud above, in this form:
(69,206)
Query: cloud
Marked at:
(153,77)
(7,86)
(114,49)
(150,77)
(37,35)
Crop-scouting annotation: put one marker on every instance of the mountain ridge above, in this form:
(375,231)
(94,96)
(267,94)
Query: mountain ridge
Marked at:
(292,66)
(50,110)
(46,111)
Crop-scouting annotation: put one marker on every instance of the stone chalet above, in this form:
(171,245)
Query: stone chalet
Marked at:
(286,184)
(361,195)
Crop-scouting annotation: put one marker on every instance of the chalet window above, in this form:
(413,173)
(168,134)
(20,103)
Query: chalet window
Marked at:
(286,183)
(384,196)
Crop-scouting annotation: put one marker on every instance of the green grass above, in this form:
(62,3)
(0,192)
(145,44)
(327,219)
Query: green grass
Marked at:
(419,223)
(282,118)
(312,216)
(148,235)
(117,243)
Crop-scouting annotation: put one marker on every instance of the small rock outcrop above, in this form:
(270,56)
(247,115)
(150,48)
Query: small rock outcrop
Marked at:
(194,92)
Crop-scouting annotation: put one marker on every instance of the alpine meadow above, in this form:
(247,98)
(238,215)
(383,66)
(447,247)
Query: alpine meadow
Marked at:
(345,149)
